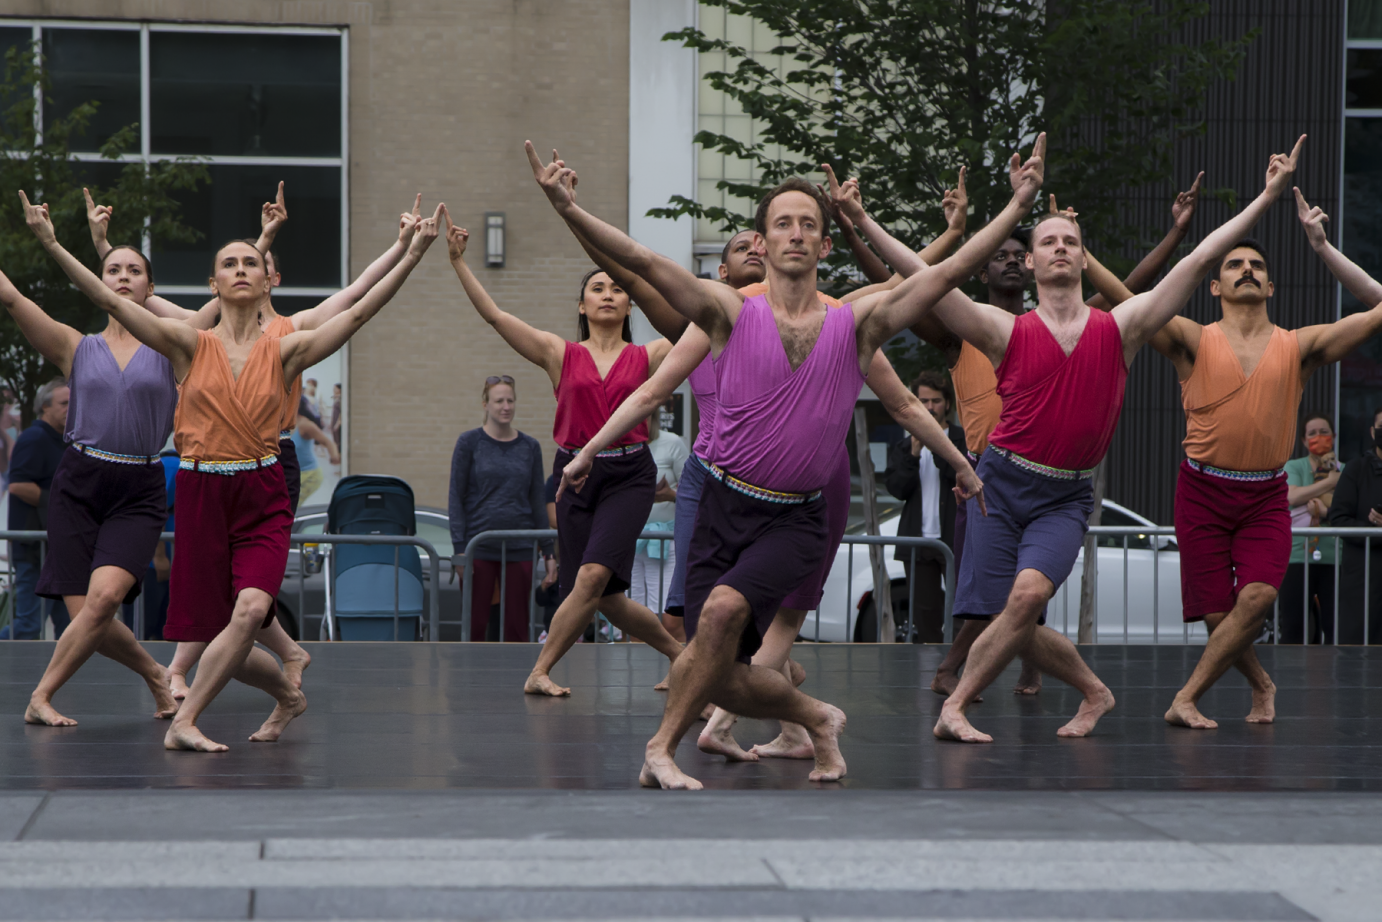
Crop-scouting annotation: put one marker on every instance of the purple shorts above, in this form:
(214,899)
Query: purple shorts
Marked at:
(807,596)
(758,548)
(101,514)
(292,472)
(601,524)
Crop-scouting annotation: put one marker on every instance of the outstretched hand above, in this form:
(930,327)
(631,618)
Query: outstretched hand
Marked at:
(557,180)
(1281,168)
(574,474)
(273,214)
(408,221)
(1183,208)
(1313,220)
(1027,177)
(97,216)
(456,237)
(427,230)
(845,197)
(38,219)
(955,206)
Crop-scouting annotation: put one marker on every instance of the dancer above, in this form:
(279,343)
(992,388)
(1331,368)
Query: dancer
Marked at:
(232,512)
(598,531)
(1061,374)
(1241,383)
(789,372)
(106,506)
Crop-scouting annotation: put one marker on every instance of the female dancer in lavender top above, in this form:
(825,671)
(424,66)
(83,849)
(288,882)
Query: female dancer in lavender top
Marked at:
(107,505)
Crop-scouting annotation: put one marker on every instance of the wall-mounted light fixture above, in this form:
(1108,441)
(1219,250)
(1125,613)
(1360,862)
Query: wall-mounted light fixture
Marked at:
(494,239)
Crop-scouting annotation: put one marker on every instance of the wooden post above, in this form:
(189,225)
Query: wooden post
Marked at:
(882,585)
(1089,581)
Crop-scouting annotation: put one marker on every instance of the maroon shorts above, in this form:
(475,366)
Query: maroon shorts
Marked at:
(807,596)
(601,524)
(1231,533)
(231,534)
(101,514)
(758,548)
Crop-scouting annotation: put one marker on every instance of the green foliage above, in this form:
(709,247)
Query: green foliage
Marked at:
(45,168)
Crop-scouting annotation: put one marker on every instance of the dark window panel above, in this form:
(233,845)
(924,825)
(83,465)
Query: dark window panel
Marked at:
(1360,373)
(1365,18)
(14,38)
(245,95)
(309,245)
(86,65)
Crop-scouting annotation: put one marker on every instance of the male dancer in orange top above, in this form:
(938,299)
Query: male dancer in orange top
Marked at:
(1241,382)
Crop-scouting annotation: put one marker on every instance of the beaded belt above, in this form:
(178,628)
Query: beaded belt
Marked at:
(227,467)
(973,458)
(285,435)
(1246,476)
(611,452)
(748,489)
(112,456)
(1036,467)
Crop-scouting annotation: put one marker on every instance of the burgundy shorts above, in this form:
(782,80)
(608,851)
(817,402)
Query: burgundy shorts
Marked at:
(807,596)
(1231,533)
(231,534)
(101,514)
(292,472)
(758,548)
(601,524)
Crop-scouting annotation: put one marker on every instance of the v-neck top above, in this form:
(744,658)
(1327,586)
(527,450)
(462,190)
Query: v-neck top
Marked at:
(1242,422)
(1060,410)
(127,412)
(282,326)
(222,418)
(585,401)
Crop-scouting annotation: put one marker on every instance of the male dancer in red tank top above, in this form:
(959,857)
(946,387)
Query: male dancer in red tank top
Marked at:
(1061,372)
(1232,523)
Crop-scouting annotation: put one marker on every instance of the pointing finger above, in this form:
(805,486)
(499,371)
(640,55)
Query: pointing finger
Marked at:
(1195,186)
(25,199)
(446,215)
(533,159)
(1295,151)
(280,193)
(1053,203)
(417,206)
(961,186)
(830,179)
(436,215)
(1039,150)
(89,203)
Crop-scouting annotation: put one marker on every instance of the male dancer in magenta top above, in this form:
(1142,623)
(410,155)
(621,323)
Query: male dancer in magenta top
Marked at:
(1061,373)
(788,374)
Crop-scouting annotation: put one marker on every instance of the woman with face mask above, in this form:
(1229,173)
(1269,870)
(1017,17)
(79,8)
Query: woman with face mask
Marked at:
(1358,504)
(1310,485)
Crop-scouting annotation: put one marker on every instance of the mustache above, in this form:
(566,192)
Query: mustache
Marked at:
(1246,280)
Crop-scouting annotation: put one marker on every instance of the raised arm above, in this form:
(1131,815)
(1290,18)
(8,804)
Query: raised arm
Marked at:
(305,348)
(56,342)
(272,216)
(1182,210)
(660,314)
(1352,276)
(98,221)
(1111,291)
(1140,317)
(171,338)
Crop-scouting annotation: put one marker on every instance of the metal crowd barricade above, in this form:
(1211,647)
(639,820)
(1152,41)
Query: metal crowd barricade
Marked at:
(915,544)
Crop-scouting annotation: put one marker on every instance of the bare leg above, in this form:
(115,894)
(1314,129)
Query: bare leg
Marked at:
(184,658)
(1230,644)
(639,622)
(1055,655)
(792,741)
(717,738)
(94,628)
(568,622)
(261,672)
(948,672)
(1029,681)
(675,626)
(295,658)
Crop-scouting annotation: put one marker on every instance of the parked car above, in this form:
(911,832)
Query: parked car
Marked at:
(848,612)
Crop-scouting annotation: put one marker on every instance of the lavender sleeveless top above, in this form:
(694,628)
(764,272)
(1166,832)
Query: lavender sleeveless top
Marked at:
(127,412)
(702,381)
(777,428)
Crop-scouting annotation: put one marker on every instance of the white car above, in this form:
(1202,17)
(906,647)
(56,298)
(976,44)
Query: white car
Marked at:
(847,610)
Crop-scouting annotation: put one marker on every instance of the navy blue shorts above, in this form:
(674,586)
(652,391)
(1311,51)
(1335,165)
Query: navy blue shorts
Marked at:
(1034,523)
(689,488)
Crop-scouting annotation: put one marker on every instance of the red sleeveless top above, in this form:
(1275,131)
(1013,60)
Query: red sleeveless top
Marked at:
(585,402)
(1061,410)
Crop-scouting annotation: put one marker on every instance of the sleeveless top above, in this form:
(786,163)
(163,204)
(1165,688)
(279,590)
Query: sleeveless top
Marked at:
(280,327)
(224,418)
(127,412)
(585,402)
(777,428)
(1239,422)
(761,288)
(976,396)
(1061,410)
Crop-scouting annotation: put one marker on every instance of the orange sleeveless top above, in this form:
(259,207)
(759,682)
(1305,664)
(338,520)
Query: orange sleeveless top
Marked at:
(761,288)
(1238,422)
(976,392)
(282,326)
(224,418)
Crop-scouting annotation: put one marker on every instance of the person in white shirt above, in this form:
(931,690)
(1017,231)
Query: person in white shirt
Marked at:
(655,560)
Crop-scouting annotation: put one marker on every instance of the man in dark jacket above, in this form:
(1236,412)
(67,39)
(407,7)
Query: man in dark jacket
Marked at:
(924,483)
(1357,499)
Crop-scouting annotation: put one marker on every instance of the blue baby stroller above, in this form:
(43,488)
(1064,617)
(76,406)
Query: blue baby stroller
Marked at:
(373,591)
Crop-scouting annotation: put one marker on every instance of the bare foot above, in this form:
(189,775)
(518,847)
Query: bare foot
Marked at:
(830,763)
(720,741)
(278,721)
(792,743)
(1185,714)
(1029,682)
(798,672)
(661,772)
(177,683)
(539,683)
(43,713)
(191,739)
(1263,706)
(665,684)
(953,725)
(165,705)
(1091,709)
(295,665)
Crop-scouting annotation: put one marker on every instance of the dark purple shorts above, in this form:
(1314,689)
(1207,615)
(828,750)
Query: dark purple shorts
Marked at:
(101,514)
(807,596)
(601,524)
(292,472)
(760,549)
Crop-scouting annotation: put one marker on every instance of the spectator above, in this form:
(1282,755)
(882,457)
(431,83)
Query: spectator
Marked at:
(1357,501)
(306,436)
(1309,487)
(548,596)
(925,483)
(497,484)
(654,561)
(33,463)
(336,415)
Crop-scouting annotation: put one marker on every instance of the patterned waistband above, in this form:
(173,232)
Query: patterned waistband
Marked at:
(111,456)
(227,467)
(610,452)
(768,496)
(1036,467)
(1245,476)
(973,458)
(285,435)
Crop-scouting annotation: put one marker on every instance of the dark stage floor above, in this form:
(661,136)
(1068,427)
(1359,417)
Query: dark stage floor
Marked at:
(420,716)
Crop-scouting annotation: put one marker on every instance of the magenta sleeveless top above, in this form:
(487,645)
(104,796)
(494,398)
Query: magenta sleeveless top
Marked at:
(777,428)
(1061,410)
(126,412)
(585,401)
(702,381)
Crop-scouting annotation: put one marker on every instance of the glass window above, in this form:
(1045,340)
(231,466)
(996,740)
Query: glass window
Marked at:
(1365,18)
(245,95)
(18,40)
(1360,372)
(437,532)
(93,65)
(1364,79)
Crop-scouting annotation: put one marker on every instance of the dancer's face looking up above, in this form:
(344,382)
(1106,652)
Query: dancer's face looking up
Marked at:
(1007,269)
(1242,277)
(126,272)
(238,273)
(1057,254)
(794,233)
(603,302)
(741,263)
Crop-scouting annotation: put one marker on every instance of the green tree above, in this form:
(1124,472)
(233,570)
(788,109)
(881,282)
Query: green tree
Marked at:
(44,167)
